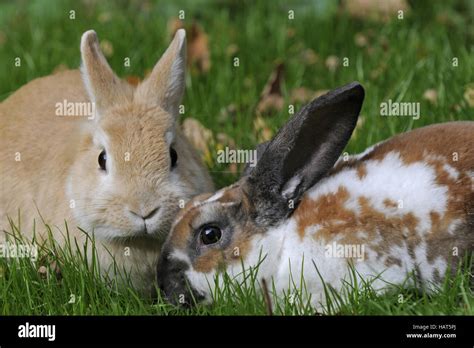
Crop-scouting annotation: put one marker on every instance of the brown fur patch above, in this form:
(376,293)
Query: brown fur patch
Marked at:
(334,219)
(244,230)
(390,203)
(361,171)
(437,145)
(182,230)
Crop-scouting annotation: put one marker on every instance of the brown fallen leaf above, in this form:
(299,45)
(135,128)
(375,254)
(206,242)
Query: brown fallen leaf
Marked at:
(3,38)
(376,10)
(378,71)
(173,25)
(198,56)
(358,127)
(361,40)
(43,272)
(304,95)
(222,141)
(104,17)
(231,50)
(61,67)
(271,98)
(309,57)
(107,48)
(227,114)
(431,95)
(133,80)
(290,32)
(332,63)
(200,137)
(469,95)
(262,130)
(198,49)
(225,140)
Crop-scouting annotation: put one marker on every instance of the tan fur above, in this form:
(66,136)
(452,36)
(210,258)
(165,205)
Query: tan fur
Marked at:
(59,156)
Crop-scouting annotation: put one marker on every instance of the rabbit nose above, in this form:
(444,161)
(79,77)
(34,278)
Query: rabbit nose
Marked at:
(148,215)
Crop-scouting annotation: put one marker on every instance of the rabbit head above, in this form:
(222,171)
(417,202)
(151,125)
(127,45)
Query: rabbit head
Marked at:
(133,168)
(230,229)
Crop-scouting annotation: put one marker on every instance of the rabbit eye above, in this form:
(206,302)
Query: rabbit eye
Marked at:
(102,160)
(210,234)
(173,156)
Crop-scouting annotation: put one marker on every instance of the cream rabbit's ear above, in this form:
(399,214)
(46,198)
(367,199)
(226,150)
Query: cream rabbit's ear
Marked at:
(166,83)
(103,86)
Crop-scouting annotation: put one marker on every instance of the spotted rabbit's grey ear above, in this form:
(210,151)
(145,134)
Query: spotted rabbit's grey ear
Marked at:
(260,149)
(302,152)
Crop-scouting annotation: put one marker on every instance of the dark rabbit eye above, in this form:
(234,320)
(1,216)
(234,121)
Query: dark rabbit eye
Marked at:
(174,157)
(210,234)
(102,160)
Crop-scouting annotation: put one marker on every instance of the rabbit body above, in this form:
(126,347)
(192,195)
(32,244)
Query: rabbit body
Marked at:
(50,170)
(404,206)
(397,209)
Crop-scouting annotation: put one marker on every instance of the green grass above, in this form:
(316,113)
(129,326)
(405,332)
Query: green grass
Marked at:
(402,59)
(70,283)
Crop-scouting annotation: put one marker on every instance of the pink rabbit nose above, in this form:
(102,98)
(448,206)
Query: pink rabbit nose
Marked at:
(149,215)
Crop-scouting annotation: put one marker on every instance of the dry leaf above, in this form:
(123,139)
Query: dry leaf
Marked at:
(376,10)
(225,140)
(469,95)
(361,40)
(248,82)
(104,17)
(290,32)
(107,48)
(301,95)
(263,131)
(431,95)
(61,67)
(198,49)
(173,25)
(378,71)
(3,38)
(199,136)
(232,49)
(305,95)
(227,114)
(309,57)
(271,98)
(197,44)
(133,80)
(332,63)
(43,271)
(358,127)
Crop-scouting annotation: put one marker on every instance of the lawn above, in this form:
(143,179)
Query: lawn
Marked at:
(423,55)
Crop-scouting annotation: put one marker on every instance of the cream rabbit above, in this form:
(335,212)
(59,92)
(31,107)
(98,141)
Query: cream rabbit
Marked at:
(404,205)
(121,172)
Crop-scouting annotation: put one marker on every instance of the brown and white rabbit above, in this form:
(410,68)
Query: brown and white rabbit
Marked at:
(120,173)
(404,205)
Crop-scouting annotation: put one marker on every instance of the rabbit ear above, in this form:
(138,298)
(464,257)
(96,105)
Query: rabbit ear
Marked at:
(102,85)
(165,85)
(303,151)
(260,149)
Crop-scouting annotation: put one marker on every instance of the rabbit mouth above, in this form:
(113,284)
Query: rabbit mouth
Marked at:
(174,285)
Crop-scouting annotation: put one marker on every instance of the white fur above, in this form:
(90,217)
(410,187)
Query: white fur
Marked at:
(287,255)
